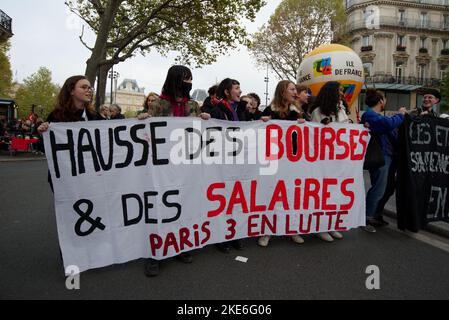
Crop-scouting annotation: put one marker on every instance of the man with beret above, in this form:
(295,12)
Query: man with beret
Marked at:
(431,97)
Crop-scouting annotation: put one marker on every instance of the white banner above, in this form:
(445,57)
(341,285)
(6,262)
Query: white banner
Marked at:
(133,189)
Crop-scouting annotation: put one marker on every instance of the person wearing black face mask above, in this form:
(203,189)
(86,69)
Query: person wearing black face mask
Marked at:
(174,102)
(175,98)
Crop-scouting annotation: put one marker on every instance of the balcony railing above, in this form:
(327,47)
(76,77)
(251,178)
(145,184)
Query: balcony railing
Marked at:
(416,81)
(366,48)
(394,22)
(350,3)
(5,23)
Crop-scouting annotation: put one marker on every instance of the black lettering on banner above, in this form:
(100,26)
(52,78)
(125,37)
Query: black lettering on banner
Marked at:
(56,147)
(423,170)
(105,166)
(122,143)
(82,148)
(155,142)
(144,143)
(85,217)
(172,205)
(234,140)
(196,154)
(210,140)
(148,206)
(126,220)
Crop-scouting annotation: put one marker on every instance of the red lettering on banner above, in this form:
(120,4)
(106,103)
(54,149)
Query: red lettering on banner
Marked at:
(271,225)
(254,207)
(301,224)
(348,193)
(237,197)
(352,135)
(184,234)
(327,142)
(338,226)
(170,241)
(311,193)
(275,140)
(206,231)
(330,216)
(252,225)
(326,195)
(279,195)
(307,148)
(288,231)
(318,215)
(289,145)
(180,241)
(220,198)
(155,243)
(364,143)
(342,143)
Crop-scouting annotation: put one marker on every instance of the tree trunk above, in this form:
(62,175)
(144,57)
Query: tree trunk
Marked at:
(101,85)
(93,67)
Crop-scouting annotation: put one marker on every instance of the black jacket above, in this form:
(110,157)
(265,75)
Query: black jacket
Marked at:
(220,111)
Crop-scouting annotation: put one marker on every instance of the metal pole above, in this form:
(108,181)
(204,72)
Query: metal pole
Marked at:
(266,91)
(112,80)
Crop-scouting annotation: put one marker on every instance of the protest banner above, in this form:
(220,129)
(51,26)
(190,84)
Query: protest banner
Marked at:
(136,189)
(423,172)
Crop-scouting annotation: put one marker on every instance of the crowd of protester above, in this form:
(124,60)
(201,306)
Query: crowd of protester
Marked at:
(225,101)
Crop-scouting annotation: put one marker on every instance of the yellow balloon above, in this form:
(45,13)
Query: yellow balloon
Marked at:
(333,62)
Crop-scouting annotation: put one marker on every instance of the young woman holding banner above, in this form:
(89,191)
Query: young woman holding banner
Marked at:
(326,109)
(282,108)
(174,102)
(74,103)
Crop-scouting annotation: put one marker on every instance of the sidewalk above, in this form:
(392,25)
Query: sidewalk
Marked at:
(439,228)
(5,156)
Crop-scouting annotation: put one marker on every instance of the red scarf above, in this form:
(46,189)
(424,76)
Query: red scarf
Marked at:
(178,108)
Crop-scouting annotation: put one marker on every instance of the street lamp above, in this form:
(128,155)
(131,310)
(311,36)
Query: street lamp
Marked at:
(113,75)
(267,80)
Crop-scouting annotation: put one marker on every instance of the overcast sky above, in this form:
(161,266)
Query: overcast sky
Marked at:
(47,34)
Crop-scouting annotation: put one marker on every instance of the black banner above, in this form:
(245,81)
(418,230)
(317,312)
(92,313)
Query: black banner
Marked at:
(423,172)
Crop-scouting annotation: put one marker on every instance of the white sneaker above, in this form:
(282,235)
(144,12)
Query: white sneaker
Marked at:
(336,235)
(263,241)
(325,237)
(297,239)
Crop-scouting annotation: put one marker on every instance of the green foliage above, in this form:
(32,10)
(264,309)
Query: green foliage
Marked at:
(444,90)
(296,28)
(5,71)
(200,30)
(39,90)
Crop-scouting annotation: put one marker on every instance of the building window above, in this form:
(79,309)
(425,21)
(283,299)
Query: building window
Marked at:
(366,41)
(423,19)
(446,22)
(422,72)
(401,17)
(423,42)
(401,41)
(443,72)
(399,71)
(368,68)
